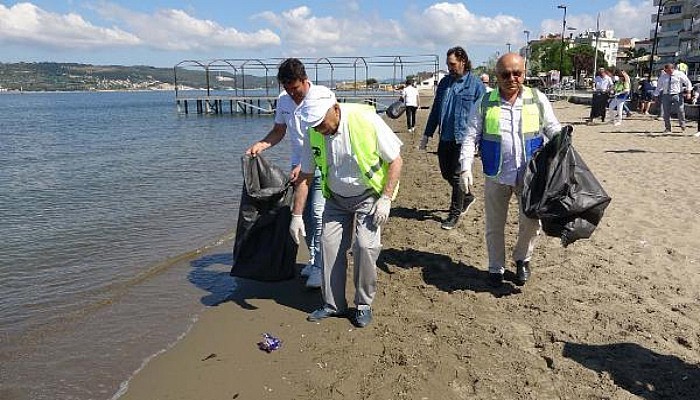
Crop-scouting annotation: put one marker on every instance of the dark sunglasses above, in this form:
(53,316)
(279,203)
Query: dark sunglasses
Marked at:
(508,74)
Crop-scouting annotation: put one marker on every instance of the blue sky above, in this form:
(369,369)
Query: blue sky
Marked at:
(163,32)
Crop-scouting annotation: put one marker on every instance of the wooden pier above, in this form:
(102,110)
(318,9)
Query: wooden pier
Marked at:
(260,105)
(221,104)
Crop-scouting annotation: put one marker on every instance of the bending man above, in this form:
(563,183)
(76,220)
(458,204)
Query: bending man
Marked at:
(360,162)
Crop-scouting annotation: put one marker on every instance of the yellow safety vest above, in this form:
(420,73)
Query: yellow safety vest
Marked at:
(363,142)
(530,123)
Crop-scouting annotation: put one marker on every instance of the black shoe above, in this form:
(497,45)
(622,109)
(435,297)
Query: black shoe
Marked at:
(362,318)
(522,273)
(468,201)
(450,222)
(495,279)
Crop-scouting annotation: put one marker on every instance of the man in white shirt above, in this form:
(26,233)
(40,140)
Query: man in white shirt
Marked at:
(602,86)
(360,162)
(411,99)
(292,75)
(509,124)
(485,79)
(676,87)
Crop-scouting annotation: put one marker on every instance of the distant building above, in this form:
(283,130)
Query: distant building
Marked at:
(623,53)
(678,34)
(606,43)
(431,82)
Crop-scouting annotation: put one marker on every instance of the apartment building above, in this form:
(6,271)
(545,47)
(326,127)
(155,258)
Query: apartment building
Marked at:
(607,43)
(678,31)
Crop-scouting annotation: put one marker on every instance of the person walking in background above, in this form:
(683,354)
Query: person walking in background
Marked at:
(411,99)
(454,98)
(509,124)
(602,85)
(292,75)
(485,79)
(621,93)
(360,162)
(676,87)
(646,95)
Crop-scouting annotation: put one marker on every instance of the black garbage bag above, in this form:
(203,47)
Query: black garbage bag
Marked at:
(562,192)
(396,109)
(264,249)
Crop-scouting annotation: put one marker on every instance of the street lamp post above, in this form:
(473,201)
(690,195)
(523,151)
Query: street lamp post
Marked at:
(561,51)
(597,39)
(656,33)
(508,44)
(527,48)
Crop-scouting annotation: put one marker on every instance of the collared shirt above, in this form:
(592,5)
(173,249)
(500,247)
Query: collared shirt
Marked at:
(454,99)
(287,113)
(410,96)
(344,176)
(602,83)
(512,149)
(672,84)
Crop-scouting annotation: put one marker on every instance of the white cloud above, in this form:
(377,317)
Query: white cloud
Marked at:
(439,26)
(27,24)
(444,25)
(626,19)
(305,34)
(172,29)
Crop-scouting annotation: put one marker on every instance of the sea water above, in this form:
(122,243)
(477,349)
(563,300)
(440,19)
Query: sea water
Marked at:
(108,201)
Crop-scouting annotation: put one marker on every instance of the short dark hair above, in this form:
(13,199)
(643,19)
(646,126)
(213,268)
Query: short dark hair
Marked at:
(461,55)
(291,70)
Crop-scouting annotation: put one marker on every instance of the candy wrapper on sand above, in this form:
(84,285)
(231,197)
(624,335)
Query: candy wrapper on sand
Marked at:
(269,343)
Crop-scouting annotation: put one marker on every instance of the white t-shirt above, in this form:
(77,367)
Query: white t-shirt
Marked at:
(410,96)
(344,177)
(287,113)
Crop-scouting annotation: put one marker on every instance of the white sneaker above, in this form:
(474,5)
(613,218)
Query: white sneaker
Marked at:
(315,279)
(306,271)
(697,134)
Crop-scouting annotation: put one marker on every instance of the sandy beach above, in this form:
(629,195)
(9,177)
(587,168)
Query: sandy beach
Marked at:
(613,317)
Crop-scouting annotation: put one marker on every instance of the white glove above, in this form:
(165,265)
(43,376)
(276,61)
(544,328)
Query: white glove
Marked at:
(423,143)
(296,227)
(381,210)
(465,180)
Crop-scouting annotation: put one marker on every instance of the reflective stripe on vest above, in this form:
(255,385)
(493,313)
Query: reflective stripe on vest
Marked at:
(363,143)
(531,120)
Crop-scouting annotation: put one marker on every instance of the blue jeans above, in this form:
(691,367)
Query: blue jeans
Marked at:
(313,219)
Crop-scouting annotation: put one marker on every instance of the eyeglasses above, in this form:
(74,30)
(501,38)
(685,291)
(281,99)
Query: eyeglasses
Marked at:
(508,74)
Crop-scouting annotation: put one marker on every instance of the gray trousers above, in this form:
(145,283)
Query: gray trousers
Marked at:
(673,102)
(496,199)
(344,217)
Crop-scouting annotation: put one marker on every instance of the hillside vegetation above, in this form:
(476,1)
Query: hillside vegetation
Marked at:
(50,76)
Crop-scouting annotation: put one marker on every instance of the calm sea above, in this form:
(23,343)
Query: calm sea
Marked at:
(106,201)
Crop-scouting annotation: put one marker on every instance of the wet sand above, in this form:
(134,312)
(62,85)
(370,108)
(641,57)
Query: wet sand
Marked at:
(613,317)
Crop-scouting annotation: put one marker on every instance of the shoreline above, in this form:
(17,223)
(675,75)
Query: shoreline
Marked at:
(615,316)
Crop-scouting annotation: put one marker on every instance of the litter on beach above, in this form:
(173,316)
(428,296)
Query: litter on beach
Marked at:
(269,343)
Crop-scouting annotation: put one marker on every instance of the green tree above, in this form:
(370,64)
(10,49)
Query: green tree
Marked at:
(582,59)
(545,56)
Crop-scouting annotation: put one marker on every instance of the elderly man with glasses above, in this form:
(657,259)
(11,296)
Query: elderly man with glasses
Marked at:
(509,124)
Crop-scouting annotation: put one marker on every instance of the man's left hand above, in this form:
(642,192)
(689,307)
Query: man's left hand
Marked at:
(380,210)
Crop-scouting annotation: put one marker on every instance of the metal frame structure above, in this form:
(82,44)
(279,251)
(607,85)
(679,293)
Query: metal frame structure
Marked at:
(325,69)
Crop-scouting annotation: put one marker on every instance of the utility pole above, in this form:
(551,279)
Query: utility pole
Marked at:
(656,38)
(597,39)
(527,48)
(561,51)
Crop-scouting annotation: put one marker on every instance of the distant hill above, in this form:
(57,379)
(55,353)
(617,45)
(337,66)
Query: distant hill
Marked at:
(49,76)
